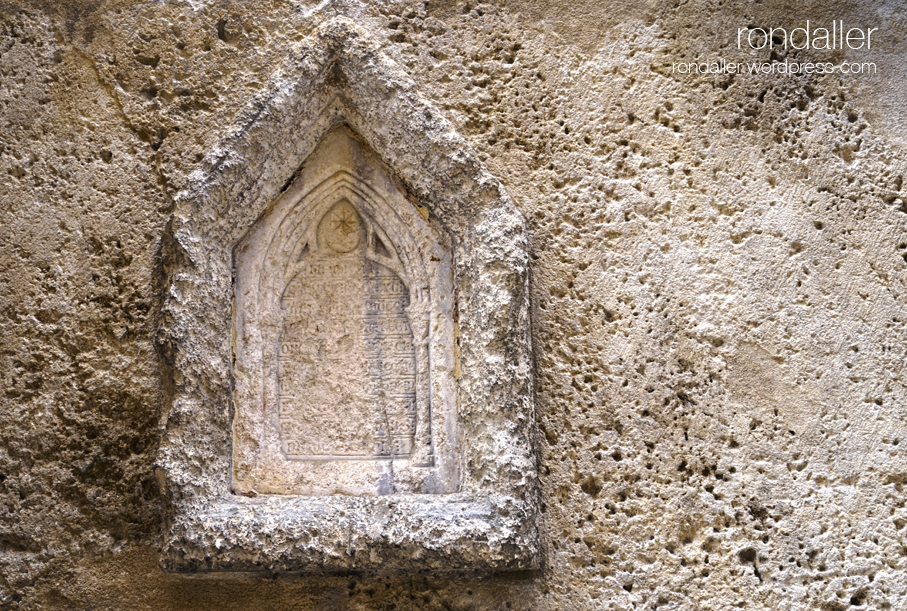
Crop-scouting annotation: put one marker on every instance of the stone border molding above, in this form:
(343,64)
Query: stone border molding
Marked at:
(489,520)
(326,360)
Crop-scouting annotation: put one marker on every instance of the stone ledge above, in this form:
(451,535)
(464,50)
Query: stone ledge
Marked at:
(329,534)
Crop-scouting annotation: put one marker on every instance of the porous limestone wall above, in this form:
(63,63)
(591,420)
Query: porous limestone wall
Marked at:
(719,293)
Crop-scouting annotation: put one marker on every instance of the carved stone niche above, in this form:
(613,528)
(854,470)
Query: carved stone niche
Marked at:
(344,327)
(344,337)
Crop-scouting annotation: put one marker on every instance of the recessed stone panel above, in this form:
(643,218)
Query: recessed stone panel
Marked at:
(347,364)
(343,295)
(345,338)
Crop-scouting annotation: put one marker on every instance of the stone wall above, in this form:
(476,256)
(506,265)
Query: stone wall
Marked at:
(719,292)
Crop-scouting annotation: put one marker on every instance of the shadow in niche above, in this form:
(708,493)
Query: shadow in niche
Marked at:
(343,290)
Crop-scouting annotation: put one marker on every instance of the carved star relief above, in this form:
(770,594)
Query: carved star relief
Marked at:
(344,222)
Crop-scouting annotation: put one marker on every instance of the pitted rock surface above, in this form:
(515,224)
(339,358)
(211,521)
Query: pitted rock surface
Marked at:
(719,276)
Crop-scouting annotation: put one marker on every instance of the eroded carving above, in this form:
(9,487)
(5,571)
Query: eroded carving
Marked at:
(347,370)
(344,302)
(238,237)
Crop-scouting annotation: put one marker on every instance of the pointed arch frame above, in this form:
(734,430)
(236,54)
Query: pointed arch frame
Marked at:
(339,76)
(289,227)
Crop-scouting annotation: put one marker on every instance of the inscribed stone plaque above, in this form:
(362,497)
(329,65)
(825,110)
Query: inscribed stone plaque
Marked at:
(344,334)
(347,368)
(343,299)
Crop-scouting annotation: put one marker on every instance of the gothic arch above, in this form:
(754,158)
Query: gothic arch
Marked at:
(313,313)
(482,439)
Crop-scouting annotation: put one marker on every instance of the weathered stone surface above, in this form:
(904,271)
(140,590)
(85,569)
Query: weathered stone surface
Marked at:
(344,326)
(718,281)
(332,475)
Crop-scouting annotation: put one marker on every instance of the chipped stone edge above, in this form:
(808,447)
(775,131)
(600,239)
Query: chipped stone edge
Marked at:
(340,76)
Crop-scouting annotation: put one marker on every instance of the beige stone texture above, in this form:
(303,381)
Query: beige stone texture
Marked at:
(719,290)
(344,333)
(262,205)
